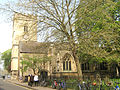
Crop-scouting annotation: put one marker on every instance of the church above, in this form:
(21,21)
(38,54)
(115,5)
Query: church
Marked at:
(24,42)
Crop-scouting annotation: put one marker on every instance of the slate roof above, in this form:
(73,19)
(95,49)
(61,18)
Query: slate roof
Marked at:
(33,47)
(40,47)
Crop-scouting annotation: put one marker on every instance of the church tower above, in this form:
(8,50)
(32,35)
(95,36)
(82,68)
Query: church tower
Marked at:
(24,29)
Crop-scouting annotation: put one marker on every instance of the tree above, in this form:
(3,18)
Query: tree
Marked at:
(56,20)
(34,63)
(6,56)
(98,31)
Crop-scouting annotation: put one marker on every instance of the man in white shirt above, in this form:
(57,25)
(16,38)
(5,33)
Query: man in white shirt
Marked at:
(36,79)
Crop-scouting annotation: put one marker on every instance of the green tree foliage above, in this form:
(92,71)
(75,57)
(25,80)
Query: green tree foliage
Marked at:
(6,56)
(97,29)
(34,63)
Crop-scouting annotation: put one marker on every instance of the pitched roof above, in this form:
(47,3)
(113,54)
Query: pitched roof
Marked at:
(33,47)
(40,47)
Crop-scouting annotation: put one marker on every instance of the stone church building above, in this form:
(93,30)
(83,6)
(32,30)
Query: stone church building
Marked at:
(24,42)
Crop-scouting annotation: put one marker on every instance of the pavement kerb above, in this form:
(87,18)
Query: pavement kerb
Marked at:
(22,85)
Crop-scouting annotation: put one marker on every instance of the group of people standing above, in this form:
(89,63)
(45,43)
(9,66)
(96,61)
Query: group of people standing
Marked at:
(33,80)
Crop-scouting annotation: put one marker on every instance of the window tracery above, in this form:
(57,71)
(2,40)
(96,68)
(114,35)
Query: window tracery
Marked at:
(67,63)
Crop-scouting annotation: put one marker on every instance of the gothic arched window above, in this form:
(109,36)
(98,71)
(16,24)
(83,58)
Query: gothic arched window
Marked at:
(67,63)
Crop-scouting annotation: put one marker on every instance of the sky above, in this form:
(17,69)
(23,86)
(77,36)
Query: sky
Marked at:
(5,31)
(5,36)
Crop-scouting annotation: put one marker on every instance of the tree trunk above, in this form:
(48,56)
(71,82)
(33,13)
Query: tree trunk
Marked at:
(79,70)
(34,71)
(78,65)
(117,71)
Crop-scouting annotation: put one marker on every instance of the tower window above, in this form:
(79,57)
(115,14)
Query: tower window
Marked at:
(25,28)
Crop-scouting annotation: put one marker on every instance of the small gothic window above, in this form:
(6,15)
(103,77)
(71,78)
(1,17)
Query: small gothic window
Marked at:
(25,28)
(85,66)
(103,66)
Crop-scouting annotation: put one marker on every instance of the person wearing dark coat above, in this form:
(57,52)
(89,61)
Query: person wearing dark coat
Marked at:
(31,80)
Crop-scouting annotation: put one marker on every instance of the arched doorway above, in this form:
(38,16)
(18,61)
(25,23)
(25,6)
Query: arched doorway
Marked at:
(43,75)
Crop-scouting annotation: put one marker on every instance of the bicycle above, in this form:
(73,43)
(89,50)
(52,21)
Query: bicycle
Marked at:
(109,85)
(116,86)
(54,84)
(80,86)
(61,85)
(44,83)
(88,85)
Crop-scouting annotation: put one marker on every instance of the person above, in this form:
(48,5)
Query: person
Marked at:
(31,80)
(28,80)
(20,79)
(36,79)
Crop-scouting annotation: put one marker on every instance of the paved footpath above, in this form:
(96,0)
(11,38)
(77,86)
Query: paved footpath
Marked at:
(26,85)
